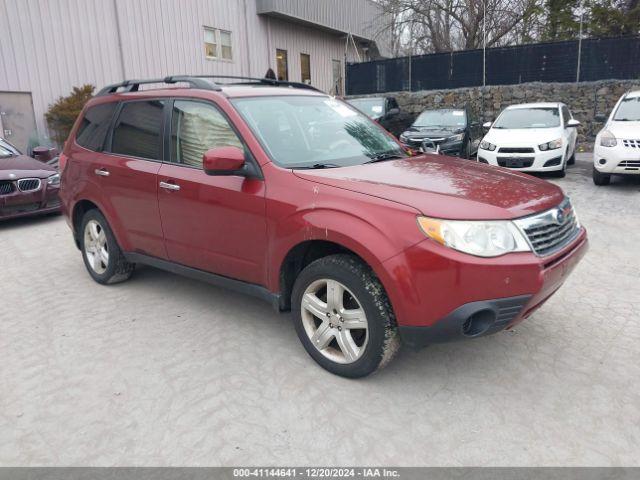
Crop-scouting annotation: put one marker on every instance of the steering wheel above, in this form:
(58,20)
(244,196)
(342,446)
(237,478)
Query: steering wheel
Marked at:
(339,143)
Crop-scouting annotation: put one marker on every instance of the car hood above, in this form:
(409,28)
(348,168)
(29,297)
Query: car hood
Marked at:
(522,136)
(431,132)
(625,130)
(445,187)
(21,166)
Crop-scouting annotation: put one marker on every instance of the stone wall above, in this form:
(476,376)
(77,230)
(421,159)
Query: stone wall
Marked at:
(585,100)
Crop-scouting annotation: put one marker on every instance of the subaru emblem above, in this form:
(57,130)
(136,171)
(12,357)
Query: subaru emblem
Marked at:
(560,216)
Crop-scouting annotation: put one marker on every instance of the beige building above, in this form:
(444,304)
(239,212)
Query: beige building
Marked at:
(49,46)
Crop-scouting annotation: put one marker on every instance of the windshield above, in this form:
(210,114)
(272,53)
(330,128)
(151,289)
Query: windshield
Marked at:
(628,110)
(4,152)
(441,118)
(314,131)
(374,107)
(529,118)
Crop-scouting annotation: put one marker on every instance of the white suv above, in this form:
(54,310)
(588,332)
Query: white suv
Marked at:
(532,137)
(617,148)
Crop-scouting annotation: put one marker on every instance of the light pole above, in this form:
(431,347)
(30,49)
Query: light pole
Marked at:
(484,43)
(580,41)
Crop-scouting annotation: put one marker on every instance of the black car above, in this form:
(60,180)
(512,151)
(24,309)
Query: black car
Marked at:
(450,131)
(385,111)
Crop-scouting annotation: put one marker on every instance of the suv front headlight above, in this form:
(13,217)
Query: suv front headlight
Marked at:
(484,145)
(607,139)
(54,179)
(483,238)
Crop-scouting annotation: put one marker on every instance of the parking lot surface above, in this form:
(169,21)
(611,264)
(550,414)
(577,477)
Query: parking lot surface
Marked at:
(163,370)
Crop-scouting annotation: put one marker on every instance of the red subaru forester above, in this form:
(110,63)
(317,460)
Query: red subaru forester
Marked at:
(280,191)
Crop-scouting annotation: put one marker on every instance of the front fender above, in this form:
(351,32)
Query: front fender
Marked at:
(374,238)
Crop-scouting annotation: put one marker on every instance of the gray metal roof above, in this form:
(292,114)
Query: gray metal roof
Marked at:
(364,19)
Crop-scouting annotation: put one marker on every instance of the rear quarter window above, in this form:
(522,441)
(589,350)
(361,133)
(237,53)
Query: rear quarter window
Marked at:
(94,126)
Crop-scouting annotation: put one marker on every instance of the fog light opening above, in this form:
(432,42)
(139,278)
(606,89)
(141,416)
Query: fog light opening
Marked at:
(478,323)
(602,161)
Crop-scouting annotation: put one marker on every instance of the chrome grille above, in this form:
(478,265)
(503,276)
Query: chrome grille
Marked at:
(29,184)
(549,231)
(6,188)
(631,143)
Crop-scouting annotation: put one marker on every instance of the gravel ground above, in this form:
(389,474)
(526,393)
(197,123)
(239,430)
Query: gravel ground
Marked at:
(163,370)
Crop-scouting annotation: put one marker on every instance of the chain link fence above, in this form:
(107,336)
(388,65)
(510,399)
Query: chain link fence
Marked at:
(600,59)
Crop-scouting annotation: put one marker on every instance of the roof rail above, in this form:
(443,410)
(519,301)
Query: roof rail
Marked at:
(199,81)
(263,81)
(134,85)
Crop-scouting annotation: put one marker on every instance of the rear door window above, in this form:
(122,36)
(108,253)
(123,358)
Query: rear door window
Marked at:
(95,125)
(138,130)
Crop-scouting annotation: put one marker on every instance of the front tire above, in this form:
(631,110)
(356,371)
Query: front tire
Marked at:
(101,254)
(601,179)
(343,317)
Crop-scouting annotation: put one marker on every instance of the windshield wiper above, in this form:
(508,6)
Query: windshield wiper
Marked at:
(381,157)
(626,120)
(317,166)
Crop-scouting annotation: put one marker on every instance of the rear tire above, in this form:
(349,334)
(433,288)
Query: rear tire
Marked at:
(352,332)
(102,256)
(601,179)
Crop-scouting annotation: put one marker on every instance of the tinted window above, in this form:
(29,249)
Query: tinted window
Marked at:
(195,128)
(138,130)
(94,126)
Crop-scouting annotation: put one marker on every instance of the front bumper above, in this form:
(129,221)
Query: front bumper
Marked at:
(450,148)
(619,160)
(441,295)
(24,204)
(536,161)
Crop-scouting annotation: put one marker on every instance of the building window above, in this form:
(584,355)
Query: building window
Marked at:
(305,68)
(337,77)
(217,44)
(283,68)
(210,43)
(225,43)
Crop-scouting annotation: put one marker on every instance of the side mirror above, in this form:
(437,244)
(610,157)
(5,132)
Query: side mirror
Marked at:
(487,125)
(475,124)
(44,154)
(599,117)
(573,123)
(393,111)
(223,161)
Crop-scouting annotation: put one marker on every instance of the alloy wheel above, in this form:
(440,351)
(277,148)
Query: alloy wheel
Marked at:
(96,249)
(334,321)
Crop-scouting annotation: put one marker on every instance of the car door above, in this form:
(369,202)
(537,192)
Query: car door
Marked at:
(127,174)
(212,223)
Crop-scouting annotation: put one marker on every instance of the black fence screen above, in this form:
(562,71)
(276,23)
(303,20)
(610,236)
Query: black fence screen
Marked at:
(600,59)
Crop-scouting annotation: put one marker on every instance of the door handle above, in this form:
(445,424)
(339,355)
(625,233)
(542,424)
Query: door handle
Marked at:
(103,172)
(170,186)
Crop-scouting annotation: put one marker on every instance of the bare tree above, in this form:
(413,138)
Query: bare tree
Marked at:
(426,26)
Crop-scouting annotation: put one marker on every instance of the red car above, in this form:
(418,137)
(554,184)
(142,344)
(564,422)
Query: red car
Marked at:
(280,191)
(27,186)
